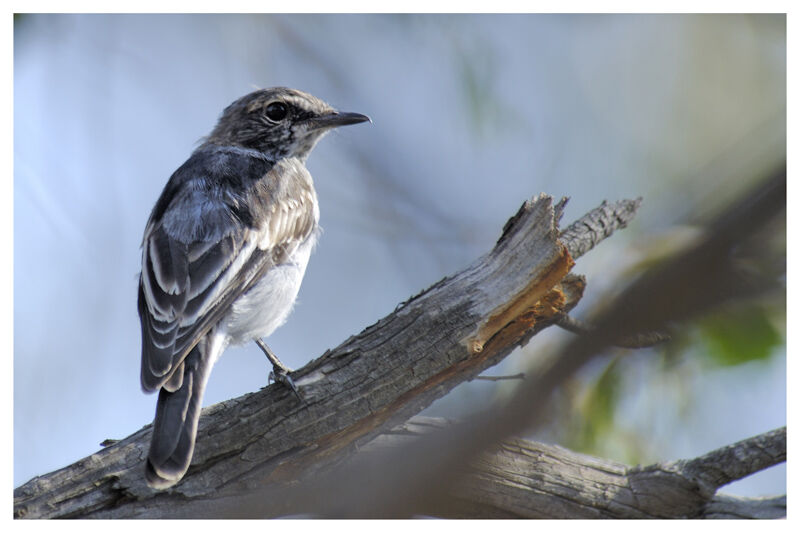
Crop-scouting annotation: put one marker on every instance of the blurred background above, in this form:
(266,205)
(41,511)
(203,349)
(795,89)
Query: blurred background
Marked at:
(472,115)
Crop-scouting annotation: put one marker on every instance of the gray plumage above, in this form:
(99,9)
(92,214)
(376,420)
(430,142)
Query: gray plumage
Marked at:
(224,253)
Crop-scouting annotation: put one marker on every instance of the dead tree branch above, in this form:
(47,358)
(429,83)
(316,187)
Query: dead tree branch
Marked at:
(265,454)
(524,479)
(447,334)
(638,340)
(420,476)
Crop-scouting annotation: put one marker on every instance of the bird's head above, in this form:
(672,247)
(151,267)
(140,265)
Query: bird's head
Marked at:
(279,122)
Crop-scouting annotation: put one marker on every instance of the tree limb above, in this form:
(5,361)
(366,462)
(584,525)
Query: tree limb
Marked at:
(637,340)
(700,278)
(524,479)
(520,375)
(447,334)
(264,456)
(738,460)
(597,225)
(498,303)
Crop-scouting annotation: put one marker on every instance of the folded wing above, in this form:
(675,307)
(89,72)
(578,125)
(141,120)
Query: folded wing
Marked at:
(203,249)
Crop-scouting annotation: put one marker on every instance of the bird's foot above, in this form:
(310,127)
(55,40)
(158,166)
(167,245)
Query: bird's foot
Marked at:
(280,374)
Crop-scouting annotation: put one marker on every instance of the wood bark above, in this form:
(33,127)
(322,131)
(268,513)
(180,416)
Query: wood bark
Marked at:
(373,381)
(701,277)
(525,479)
(268,442)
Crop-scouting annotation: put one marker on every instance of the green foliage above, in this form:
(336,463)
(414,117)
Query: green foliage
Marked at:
(596,409)
(734,336)
(739,335)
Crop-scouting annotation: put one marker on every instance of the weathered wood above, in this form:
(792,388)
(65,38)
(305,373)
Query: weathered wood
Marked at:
(524,479)
(597,225)
(697,279)
(729,463)
(375,380)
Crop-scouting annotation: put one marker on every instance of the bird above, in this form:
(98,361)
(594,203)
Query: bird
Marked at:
(224,253)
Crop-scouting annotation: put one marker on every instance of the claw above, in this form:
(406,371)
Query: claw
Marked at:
(280,372)
(281,375)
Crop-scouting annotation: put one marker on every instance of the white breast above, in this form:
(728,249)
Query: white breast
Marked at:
(265,307)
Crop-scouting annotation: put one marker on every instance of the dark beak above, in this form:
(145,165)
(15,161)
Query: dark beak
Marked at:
(334,120)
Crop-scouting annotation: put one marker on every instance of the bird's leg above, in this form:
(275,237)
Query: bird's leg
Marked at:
(280,372)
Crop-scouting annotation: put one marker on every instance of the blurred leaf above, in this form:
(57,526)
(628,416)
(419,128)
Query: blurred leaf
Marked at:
(477,76)
(477,69)
(597,408)
(740,335)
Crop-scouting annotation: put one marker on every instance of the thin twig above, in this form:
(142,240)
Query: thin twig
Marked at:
(521,375)
(638,340)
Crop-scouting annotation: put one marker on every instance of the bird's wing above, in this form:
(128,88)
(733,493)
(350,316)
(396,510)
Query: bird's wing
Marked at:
(205,246)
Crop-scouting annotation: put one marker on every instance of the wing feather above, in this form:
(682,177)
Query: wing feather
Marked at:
(205,247)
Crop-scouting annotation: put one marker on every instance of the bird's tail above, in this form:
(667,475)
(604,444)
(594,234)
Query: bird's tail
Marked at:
(177,413)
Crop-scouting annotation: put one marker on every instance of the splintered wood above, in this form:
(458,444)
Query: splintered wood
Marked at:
(541,298)
(376,379)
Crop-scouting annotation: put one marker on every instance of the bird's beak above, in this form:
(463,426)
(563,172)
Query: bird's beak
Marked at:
(334,120)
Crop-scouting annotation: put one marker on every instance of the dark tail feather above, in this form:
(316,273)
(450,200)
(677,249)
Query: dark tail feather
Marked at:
(175,426)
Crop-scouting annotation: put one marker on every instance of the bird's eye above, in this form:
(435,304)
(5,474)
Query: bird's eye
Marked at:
(277,111)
